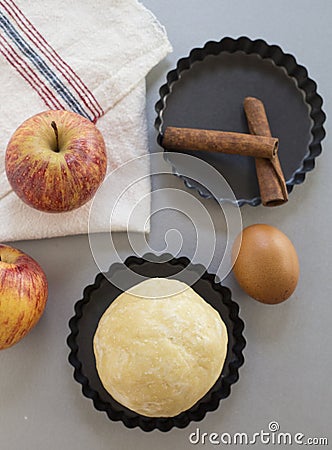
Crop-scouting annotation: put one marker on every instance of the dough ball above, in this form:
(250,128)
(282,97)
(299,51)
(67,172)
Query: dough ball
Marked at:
(159,348)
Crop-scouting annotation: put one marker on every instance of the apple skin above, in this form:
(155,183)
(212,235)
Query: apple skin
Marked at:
(23,295)
(56,174)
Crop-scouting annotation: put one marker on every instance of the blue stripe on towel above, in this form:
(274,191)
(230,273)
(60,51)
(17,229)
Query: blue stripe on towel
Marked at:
(42,67)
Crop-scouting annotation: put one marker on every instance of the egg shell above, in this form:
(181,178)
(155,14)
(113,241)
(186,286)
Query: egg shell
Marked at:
(267,265)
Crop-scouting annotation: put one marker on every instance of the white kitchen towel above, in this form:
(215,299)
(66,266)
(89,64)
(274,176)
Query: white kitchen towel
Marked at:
(90,57)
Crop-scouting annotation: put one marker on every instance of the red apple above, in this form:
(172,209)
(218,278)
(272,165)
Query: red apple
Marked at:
(23,295)
(56,160)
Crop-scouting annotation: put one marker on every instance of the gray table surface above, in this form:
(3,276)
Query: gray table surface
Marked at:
(286,376)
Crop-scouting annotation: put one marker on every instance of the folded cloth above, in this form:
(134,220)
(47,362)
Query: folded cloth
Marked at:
(91,58)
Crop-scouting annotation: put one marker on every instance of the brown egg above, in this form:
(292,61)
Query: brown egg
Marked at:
(267,266)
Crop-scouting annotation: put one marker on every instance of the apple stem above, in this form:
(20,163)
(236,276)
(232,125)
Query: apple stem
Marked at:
(55,128)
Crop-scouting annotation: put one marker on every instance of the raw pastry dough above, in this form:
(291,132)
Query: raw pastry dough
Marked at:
(159,347)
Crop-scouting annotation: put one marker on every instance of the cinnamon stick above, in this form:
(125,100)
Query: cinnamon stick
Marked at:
(270,177)
(220,141)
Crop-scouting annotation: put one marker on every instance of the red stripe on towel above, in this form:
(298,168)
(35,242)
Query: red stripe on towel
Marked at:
(29,75)
(52,56)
